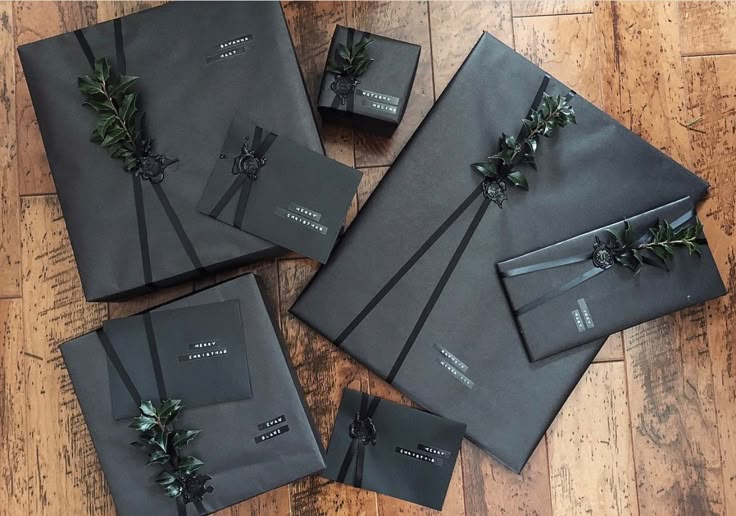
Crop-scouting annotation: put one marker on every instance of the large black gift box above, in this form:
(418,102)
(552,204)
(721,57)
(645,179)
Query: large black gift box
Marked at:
(197,64)
(412,290)
(564,295)
(248,446)
(375,100)
(393,449)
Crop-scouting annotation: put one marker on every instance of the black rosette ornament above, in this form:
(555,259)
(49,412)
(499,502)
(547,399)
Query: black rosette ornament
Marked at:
(247,162)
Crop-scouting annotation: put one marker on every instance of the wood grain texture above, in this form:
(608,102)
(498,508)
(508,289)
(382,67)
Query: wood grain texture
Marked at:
(591,458)
(9,202)
(551,7)
(708,27)
(612,350)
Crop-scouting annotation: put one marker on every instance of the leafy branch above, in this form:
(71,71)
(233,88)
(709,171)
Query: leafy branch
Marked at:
(162,443)
(555,111)
(353,61)
(661,246)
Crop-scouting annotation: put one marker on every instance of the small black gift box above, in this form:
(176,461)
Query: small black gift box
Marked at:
(579,290)
(248,446)
(271,187)
(393,449)
(367,79)
(134,228)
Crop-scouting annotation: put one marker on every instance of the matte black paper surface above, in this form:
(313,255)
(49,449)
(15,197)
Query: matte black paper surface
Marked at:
(413,455)
(612,299)
(268,185)
(412,290)
(199,353)
(197,64)
(248,446)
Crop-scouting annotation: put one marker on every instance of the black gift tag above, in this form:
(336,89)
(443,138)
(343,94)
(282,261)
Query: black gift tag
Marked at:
(393,449)
(193,354)
(267,185)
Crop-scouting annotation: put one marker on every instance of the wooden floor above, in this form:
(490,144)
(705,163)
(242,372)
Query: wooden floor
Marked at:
(651,429)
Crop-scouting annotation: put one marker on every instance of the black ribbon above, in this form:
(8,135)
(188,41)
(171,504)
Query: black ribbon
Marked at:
(187,245)
(363,433)
(589,274)
(449,269)
(343,86)
(246,167)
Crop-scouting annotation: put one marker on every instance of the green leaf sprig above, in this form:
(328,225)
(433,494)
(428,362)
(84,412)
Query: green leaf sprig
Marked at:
(555,111)
(661,246)
(353,61)
(118,127)
(163,443)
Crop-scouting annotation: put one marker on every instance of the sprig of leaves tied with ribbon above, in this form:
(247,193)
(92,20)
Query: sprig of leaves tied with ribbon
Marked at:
(555,111)
(657,250)
(162,443)
(351,61)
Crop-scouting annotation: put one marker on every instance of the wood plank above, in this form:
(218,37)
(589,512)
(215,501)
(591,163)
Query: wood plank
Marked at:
(323,371)
(551,7)
(406,21)
(590,457)
(609,74)
(34,21)
(707,27)
(456,26)
(712,96)
(9,203)
(64,476)
(110,9)
(612,350)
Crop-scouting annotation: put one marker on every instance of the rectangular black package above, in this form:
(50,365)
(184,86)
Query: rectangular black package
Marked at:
(197,63)
(412,290)
(375,99)
(248,446)
(393,449)
(574,291)
(271,187)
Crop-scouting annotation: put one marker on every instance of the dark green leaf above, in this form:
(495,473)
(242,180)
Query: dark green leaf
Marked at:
(157,457)
(165,478)
(518,179)
(189,465)
(173,490)
(169,410)
(183,437)
(485,168)
(343,52)
(102,70)
(124,83)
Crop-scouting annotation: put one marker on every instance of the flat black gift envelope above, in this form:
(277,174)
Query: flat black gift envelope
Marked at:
(248,446)
(377,98)
(197,354)
(197,64)
(574,291)
(412,290)
(269,186)
(393,449)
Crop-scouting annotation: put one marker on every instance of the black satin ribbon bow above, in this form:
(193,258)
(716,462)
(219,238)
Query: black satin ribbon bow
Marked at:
(152,170)
(195,489)
(343,86)
(602,257)
(246,167)
(363,434)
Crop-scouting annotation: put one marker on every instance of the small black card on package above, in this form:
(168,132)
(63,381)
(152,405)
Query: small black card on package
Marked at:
(269,186)
(393,449)
(197,354)
(576,291)
(371,89)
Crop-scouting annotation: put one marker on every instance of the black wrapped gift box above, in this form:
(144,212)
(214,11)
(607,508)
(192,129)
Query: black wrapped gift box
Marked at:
(379,99)
(562,299)
(197,64)
(248,446)
(393,449)
(412,290)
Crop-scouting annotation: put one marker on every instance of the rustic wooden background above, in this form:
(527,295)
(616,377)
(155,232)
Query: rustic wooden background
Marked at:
(651,428)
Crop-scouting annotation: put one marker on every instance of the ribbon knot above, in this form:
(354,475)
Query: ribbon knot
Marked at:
(363,429)
(343,86)
(248,162)
(362,432)
(603,254)
(195,488)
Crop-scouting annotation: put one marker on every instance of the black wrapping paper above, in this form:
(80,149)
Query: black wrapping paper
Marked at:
(612,299)
(269,186)
(393,449)
(379,100)
(441,330)
(188,93)
(240,460)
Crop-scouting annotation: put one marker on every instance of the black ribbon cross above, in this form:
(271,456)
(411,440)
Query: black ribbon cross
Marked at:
(363,434)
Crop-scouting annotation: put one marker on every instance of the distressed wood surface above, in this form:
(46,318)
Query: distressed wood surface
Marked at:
(651,429)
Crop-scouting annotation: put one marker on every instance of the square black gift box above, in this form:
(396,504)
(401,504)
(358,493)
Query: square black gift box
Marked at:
(269,186)
(197,64)
(248,446)
(375,97)
(412,291)
(574,291)
(393,449)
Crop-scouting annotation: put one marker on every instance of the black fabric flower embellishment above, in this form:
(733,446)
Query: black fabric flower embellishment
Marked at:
(343,86)
(195,488)
(247,162)
(603,254)
(495,190)
(363,429)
